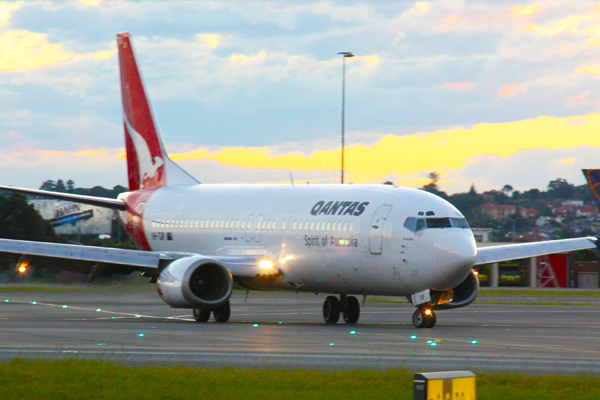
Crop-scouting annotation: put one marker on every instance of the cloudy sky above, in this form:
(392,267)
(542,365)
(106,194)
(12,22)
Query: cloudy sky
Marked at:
(483,92)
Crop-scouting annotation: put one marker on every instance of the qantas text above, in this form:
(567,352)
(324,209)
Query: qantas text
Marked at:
(339,208)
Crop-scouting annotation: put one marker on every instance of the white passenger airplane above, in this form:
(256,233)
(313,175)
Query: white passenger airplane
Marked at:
(200,241)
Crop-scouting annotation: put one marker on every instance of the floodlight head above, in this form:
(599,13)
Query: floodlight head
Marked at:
(346,54)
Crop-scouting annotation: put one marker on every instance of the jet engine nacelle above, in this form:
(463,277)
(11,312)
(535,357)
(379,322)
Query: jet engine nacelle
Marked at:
(195,282)
(463,295)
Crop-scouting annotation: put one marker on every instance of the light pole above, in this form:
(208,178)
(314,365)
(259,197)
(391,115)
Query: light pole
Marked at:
(344,54)
(513,220)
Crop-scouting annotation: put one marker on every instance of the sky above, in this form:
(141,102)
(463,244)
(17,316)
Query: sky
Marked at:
(485,93)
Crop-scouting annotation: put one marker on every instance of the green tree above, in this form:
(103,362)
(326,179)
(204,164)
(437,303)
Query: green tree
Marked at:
(561,189)
(21,221)
(432,187)
(48,185)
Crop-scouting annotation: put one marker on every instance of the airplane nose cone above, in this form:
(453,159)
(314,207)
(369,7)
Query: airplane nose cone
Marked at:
(456,252)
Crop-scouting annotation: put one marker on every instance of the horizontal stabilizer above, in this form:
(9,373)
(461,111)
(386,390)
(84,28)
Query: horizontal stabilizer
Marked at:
(115,204)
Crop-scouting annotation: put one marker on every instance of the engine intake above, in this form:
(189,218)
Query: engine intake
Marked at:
(464,294)
(195,282)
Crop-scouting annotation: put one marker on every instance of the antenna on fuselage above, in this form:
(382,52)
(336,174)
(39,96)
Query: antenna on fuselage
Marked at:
(292,179)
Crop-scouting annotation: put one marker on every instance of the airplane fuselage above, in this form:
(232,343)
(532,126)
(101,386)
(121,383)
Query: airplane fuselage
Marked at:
(352,239)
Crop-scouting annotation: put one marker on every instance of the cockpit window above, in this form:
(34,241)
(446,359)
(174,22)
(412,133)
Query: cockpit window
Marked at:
(410,224)
(417,224)
(438,223)
(459,223)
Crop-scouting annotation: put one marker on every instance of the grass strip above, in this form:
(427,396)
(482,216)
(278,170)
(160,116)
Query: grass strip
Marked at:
(41,289)
(540,292)
(82,379)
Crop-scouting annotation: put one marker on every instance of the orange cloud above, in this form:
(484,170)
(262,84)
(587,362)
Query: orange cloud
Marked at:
(577,101)
(451,22)
(592,71)
(460,86)
(508,91)
(569,160)
(567,25)
(525,11)
(213,41)
(6,8)
(24,50)
(440,151)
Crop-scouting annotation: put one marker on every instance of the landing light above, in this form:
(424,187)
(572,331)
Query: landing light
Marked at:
(266,264)
(427,312)
(475,272)
(22,269)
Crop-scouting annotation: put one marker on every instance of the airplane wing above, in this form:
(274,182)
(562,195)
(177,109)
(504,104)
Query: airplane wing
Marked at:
(76,198)
(105,261)
(492,254)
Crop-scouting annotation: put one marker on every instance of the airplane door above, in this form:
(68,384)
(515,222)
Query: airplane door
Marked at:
(258,228)
(377,225)
(249,227)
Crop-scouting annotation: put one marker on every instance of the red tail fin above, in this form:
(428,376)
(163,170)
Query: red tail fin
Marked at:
(147,162)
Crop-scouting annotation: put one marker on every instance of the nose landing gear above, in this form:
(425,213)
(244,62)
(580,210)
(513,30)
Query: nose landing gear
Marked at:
(348,306)
(424,318)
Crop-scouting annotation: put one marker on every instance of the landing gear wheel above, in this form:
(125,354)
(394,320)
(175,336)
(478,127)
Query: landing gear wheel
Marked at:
(331,310)
(419,319)
(201,314)
(351,310)
(431,320)
(223,312)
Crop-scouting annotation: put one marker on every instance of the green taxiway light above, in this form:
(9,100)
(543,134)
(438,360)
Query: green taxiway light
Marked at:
(6,301)
(255,325)
(141,335)
(353,332)
(98,310)
(474,342)
(100,344)
(64,306)
(413,337)
(332,344)
(433,344)
(280,322)
(34,302)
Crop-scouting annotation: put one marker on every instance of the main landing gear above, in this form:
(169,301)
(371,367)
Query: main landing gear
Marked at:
(348,306)
(424,318)
(221,313)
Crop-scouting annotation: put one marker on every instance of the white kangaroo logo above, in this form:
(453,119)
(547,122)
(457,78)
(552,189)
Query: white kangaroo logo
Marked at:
(147,166)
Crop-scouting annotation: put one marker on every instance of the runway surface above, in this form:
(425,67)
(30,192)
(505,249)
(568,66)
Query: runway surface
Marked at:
(286,331)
